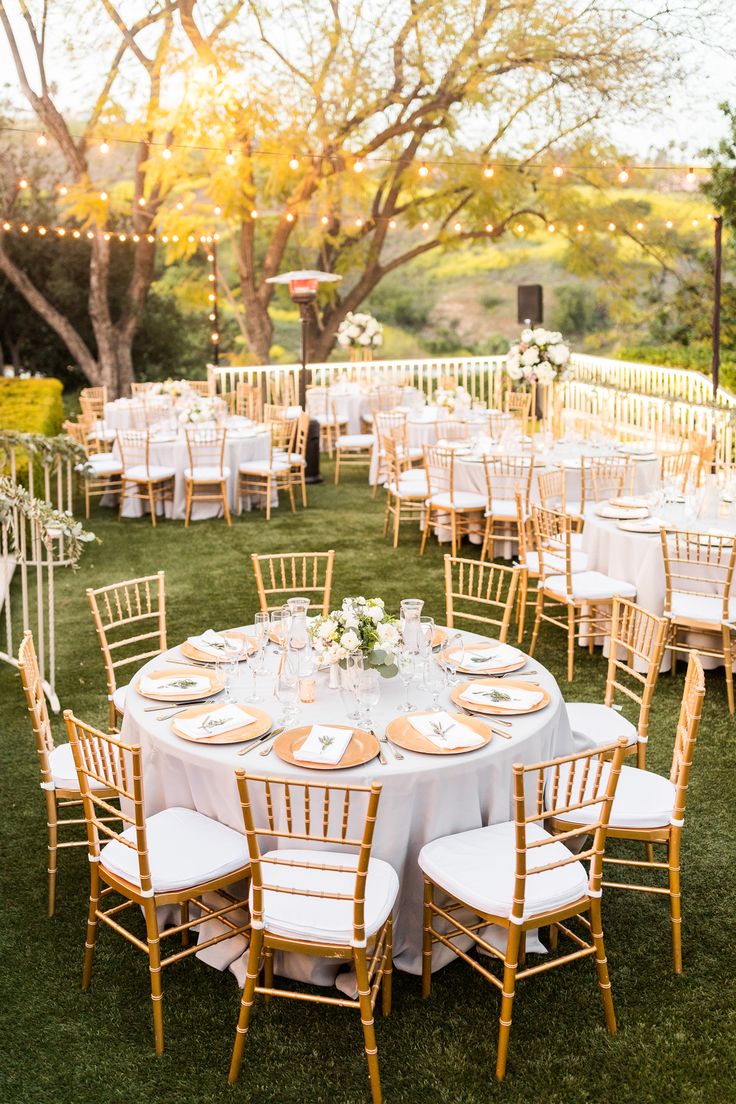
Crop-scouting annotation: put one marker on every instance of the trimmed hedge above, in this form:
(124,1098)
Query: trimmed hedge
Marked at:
(31,406)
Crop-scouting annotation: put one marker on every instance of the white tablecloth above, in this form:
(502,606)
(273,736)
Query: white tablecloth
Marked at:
(242,443)
(424,796)
(352,403)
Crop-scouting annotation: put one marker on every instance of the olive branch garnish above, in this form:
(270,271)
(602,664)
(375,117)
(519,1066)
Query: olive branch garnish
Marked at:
(439,731)
(210,723)
(324,742)
(494,695)
(182,683)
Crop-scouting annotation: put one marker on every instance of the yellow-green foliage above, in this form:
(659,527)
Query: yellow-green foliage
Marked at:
(31,406)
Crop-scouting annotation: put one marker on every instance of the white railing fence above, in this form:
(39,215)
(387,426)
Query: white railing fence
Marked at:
(630,399)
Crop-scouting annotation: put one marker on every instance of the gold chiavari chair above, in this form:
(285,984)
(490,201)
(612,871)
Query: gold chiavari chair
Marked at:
(176,857)
(705,457)
(332,422)
(451,430)
(95,398)
(140,389)
(522,875)
(261,478)
(206,477)
(199,387)
(406,490)
(98,436)
(294,575)
(606,477)
(329,902)
(463,508)
(117,610)
(352,450)
(100,473)
(650,809)
(56,762)
(519,405)
(637,638)
(283,389)
(391,424)
(504,476)
(148,483)
(481,593)
(584,596)
(552,487)
(92,401)
(273,412)
(299,455)
(248,401)
(675,467)
(698,575)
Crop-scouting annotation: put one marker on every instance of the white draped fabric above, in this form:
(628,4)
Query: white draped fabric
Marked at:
(424,796)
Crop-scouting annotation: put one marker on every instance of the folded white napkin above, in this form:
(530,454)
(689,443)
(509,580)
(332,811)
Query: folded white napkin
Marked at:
(220,719)
(502,697)
(324,745)
(444,731)
(490,659)
(210,642)
(176,684)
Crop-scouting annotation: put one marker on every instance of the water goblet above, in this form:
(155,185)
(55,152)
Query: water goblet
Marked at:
(232,650)
(407,664)
(454,657)
(286,691)
(368,693)
(426,635)
(435,681)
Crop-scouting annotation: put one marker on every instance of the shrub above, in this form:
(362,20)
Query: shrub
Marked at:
(31,406)
(697,357)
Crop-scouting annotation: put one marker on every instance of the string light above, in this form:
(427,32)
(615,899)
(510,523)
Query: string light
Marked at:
(358,222)
(694,223)
(457,227)
(294,164)
(166,153)
(358,166)
(141,201)
(229,157)
(24,229)
(551,228)
(63,190)
(519,228)
(640,226)
(558,171)
(106,237)
(61,231)
(42,140)
(90,234)
(489,228)
(75,233)
(425,227)
(42,230)
(392,224)
(104,146)
(289,217)
(612,226)
(180,206)
(254,214)
(103,196)
(423,169)
(488,171)
(23,183)
(580,227)
(623,177)
(324,220)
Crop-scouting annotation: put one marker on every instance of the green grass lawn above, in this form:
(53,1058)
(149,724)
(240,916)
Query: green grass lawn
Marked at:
(676,1039)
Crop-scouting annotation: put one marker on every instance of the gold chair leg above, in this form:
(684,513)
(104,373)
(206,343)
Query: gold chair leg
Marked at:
(304,487)
(522,607)
(388,969)
(427,527)
(537,621)
(453,532)
(728,664)
(673,862)
(507,998)
(268,498)
(52,819)
(554,934)
(154,968)
(246,1003)
(184,919)
(152,504)
(427,941)
(91,939)
(397,521)
(486,538)
(601,963)
(225,504)
(366,1016)
(268,971)
(570,642)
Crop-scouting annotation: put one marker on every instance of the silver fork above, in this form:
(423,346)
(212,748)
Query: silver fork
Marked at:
(385,740)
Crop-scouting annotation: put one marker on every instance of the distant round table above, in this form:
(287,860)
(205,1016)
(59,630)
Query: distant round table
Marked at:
(424,796)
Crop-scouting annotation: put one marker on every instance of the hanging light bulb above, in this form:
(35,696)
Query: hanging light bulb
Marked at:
(640,226)
(324,220)
(122,237)
(254,214)
(580,227)
(103,196)
(23,183)
(42,230)
(423,169)
(457,227)
(694,223)
(488,171)
(136,237)
(623,177)
(520,228)
(289,217)
(551,228)
(24,228)
(104,146)
(690,176)
(150,238)
(612,226)
(358,222)
(166,153)
(141,201)
(217,211)
(358,166)
(229,157)
(392,224)
(106,237)
(165,239)
(90,234)
(425,227)
(489,228)
(75,234)
(669,224)
(180,206)
(294,164)
(212,317)
(63,190)
(61,231)
(558,171)
(42,140)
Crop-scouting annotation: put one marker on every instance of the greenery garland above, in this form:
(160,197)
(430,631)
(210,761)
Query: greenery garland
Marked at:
(49,450)
(53,523)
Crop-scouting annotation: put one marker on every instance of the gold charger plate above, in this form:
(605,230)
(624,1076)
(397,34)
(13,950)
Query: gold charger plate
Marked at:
(362,748)
(400,731)
(621,513)
(192,652)
(216,684)
(629,502)
(439,637)
(500,684)
(259,727)
(491,646)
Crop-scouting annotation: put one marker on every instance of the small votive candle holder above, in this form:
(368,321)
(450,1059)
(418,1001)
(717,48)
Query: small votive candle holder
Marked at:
(307,687)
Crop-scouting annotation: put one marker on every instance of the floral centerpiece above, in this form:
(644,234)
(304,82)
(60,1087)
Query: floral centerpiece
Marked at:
(199,412)
(359,331)
(361,625)
(540,356)
(174,388)
(452,398)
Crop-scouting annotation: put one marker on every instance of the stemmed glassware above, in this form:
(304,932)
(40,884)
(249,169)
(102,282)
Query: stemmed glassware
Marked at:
(368,693)
(256,658)
(233,646)
(435,681)
(426,635)
(286,689)
(280,622)
(454,656)
(349,684)
(407,664)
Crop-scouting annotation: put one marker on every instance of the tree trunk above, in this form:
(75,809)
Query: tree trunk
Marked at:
(259,328)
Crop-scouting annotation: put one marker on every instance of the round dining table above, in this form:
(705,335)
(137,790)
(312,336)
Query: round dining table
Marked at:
(424,796)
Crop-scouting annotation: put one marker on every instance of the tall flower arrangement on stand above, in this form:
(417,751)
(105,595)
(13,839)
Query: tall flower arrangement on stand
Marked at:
(540,356)
(360,333)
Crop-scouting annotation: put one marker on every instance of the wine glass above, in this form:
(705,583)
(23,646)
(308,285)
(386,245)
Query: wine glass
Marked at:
(286,690)
(407,664)
(232,650)
(426,635)
(353,667)
(435,681)
(454,657)
(280,621)
(260,627)
(368,693)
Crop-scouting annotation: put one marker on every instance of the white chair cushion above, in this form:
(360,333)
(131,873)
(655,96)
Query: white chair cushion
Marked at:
(572,508)
(263,467)
(63,770)
(328,420)
(204,473)
(297,458)
(460,500)
(643,799)
(408,490)
(102,432)
(590,584)
(102,464)
(578,562)
(140,474)
(355,440)
(502,508)
(185,849)
(599,723)
(576,541)
(478,868)
(118,698)
(320,919)
(699,607)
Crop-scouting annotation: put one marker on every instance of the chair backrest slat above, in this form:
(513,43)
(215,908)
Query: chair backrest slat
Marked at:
(294,574)
(482,593)
(118,606)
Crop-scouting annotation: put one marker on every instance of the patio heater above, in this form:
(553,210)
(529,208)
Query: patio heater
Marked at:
(303,286)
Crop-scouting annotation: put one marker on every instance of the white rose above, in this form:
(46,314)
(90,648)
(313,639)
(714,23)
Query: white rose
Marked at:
(376,614)
(364,339)
(388,634)
(349,641)
(377,339)
(540,336)
(514,371)
(530,356)
(558,354)
(545,374)
(343,339)
(553,337)
(527,336)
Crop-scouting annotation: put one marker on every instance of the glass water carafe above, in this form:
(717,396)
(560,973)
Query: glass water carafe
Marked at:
(411,611)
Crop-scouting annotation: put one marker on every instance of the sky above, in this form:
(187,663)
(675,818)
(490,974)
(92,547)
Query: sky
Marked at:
(686,120)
